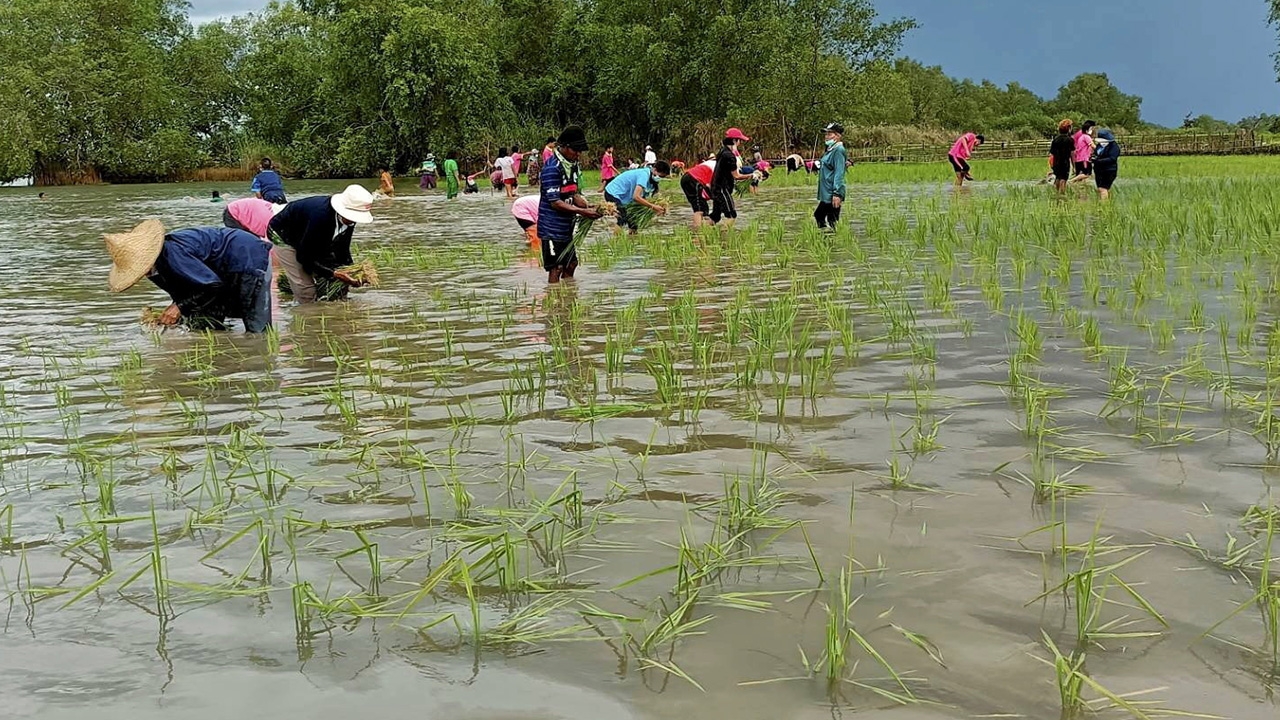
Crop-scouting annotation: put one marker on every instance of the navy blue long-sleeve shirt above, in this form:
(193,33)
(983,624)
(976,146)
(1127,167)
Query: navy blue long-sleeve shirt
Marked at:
(196,263)
(310,226)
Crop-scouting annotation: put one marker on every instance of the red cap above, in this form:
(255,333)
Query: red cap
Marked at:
(735,134)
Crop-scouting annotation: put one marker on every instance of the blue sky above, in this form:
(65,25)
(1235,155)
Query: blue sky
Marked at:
(1181,56)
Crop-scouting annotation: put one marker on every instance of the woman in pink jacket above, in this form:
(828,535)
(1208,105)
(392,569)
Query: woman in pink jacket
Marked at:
(960,154)
(1083,157)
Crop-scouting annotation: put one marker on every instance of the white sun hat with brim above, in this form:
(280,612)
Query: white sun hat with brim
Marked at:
(354,204)
(133,254)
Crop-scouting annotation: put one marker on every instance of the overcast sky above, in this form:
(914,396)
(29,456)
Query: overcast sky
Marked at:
(1181,56)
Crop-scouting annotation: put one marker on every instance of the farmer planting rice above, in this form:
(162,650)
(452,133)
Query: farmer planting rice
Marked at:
(726,176)
(831,175)
(210,273)
(960,153)
(696,185)
(312,238)
(250,214)
(562,204)
(632,188)
(525,211)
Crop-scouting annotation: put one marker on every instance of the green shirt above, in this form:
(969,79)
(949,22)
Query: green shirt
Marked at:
(450,169)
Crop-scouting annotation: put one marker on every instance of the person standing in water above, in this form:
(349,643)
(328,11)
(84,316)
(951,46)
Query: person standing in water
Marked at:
(831,176)
(696,185)
(607,170)
(386,185)
(1083,157)
(725,177)
(210,273)
(960,153)
(452,178)
(633,187)
(267,183)
(525,211)
(561,204)
(1061,150)
(250,214)
(504,172)
(1106,163)
(312,238)
(428,170)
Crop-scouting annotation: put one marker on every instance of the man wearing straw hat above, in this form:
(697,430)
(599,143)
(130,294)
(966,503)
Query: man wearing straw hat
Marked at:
(211,273)
(312,238)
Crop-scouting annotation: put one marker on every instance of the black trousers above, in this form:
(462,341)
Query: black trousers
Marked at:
(827,215)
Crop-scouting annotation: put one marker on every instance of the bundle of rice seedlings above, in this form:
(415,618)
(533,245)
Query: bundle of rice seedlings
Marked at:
(582,227)
(151,317)
(642,217)
(364,272)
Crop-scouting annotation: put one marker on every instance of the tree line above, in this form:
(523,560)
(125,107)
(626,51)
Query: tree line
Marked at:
(131,90)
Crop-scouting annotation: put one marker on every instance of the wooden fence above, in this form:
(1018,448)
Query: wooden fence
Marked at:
(1235,143)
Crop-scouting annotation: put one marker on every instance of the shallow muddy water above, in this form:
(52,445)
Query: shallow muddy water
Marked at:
(635,495)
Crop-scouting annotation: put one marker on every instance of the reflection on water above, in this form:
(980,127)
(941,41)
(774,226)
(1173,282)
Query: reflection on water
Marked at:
(419,495)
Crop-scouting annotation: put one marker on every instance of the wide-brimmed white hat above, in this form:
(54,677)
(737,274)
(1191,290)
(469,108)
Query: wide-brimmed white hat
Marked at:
(354,204)
(133,254)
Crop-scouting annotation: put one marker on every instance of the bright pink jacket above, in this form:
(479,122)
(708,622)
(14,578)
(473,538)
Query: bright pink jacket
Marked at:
(963,149)
(253,213)
(1084,147)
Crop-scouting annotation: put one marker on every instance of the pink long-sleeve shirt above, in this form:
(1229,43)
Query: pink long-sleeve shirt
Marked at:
(963,149)
(1084,147)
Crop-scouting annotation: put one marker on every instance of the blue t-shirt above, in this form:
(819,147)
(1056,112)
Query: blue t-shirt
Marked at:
(268,183)
(624,186)
(559,182)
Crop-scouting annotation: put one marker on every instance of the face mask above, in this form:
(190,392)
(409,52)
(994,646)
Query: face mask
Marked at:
(831,144)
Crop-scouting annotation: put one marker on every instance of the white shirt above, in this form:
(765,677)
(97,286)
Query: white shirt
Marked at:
(650,157)
(507,166)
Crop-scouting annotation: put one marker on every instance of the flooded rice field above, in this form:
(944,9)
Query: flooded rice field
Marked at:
(986,455)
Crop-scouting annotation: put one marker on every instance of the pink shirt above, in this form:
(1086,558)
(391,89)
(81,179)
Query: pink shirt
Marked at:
(253,213)
(546,154)
(607,170)
(526,208)
(963,149)
(1084,147)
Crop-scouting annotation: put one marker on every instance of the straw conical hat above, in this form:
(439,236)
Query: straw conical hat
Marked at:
(133,254)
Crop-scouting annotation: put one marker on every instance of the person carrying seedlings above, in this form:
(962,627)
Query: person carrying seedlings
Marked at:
(831,175)
(386,185)
(561,204)
(632,188)
(1061,151)
(250,214)
(452,178)
(267,183)
(960,153)
(1106,163)
(525,211)
(607,170)
(504,171)
(428,171)
(210,273)
(696,185)
(726,176)
(1083,157)
(312,238)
